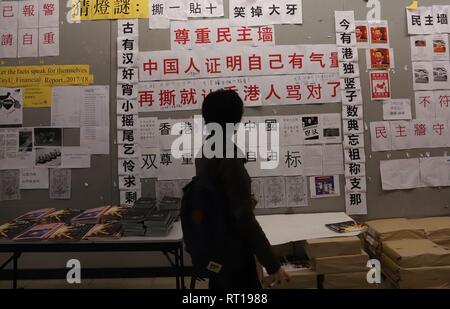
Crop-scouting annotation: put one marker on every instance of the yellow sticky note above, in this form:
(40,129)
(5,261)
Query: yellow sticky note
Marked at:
(36,97)
(123,9)
(413,6)
(109,9)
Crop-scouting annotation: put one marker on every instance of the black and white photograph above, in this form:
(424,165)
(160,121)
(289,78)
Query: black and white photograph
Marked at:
(48,157)
(26,140)
(48,137)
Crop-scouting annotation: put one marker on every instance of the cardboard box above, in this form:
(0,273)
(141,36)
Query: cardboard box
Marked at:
(444,243)
(337,246)
(303,279)
(425,278)
(418,277)
(392,229)
(410,253)
(437,228)
(341,264)
(348,281)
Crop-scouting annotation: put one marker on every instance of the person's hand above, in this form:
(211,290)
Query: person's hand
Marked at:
(277,278)
(254,201)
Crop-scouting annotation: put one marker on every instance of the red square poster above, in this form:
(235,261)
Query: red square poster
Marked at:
(380,82)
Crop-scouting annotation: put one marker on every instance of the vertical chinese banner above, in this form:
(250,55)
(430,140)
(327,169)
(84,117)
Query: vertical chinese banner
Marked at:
(129,168)
(352,114)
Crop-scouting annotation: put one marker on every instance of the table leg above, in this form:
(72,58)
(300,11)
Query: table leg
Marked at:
(15,268)
(7,262)
(183,286)
(177,268)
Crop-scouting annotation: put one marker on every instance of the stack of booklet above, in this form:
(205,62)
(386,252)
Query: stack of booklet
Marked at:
(159,223)
(145,202)
(133,221)
(91,216)
(12,229)
(171,204)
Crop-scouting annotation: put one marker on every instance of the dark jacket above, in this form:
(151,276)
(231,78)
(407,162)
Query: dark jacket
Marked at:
(232,179)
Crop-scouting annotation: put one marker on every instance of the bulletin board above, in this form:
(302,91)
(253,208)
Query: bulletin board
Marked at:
(88,43)
(94,43)
(319,28)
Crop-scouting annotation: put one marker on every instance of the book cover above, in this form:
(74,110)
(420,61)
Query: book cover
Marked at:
(12,229)
(114,213)
(345,227)
(159,217)
(61,216)
(105,230)
(91,215)
(39,232)
(35,214)
(72,232)
(137,214)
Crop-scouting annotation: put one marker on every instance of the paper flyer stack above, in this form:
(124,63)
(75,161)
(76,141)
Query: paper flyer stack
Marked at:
(412,252)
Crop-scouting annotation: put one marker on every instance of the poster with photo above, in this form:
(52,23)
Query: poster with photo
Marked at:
(26,140)
(421,48)
(379,33)
(48,157)
(324,186)
(380,84)
(48,137)
(440,47)
(441,69)
(380,58)
(11,106)
(331,128)
(311,130)
(362,33)
(423,79)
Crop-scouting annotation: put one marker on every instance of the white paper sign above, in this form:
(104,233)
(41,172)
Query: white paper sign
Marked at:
(75,157)
(259,12)
(28,42)
(380,134)
(296,191)
(274,192)
(149,163)
(9,11)
(355,203)
(400,174)
(60,184)
(333,160)
(434,172)
(66,107)
(344,21)
(397,109)
(425,105)
(48,13)
(28,14)
(414,21)
(49,42)
(324,186)
(36,178)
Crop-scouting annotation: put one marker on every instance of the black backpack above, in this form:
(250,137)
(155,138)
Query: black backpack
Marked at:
(203,220)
